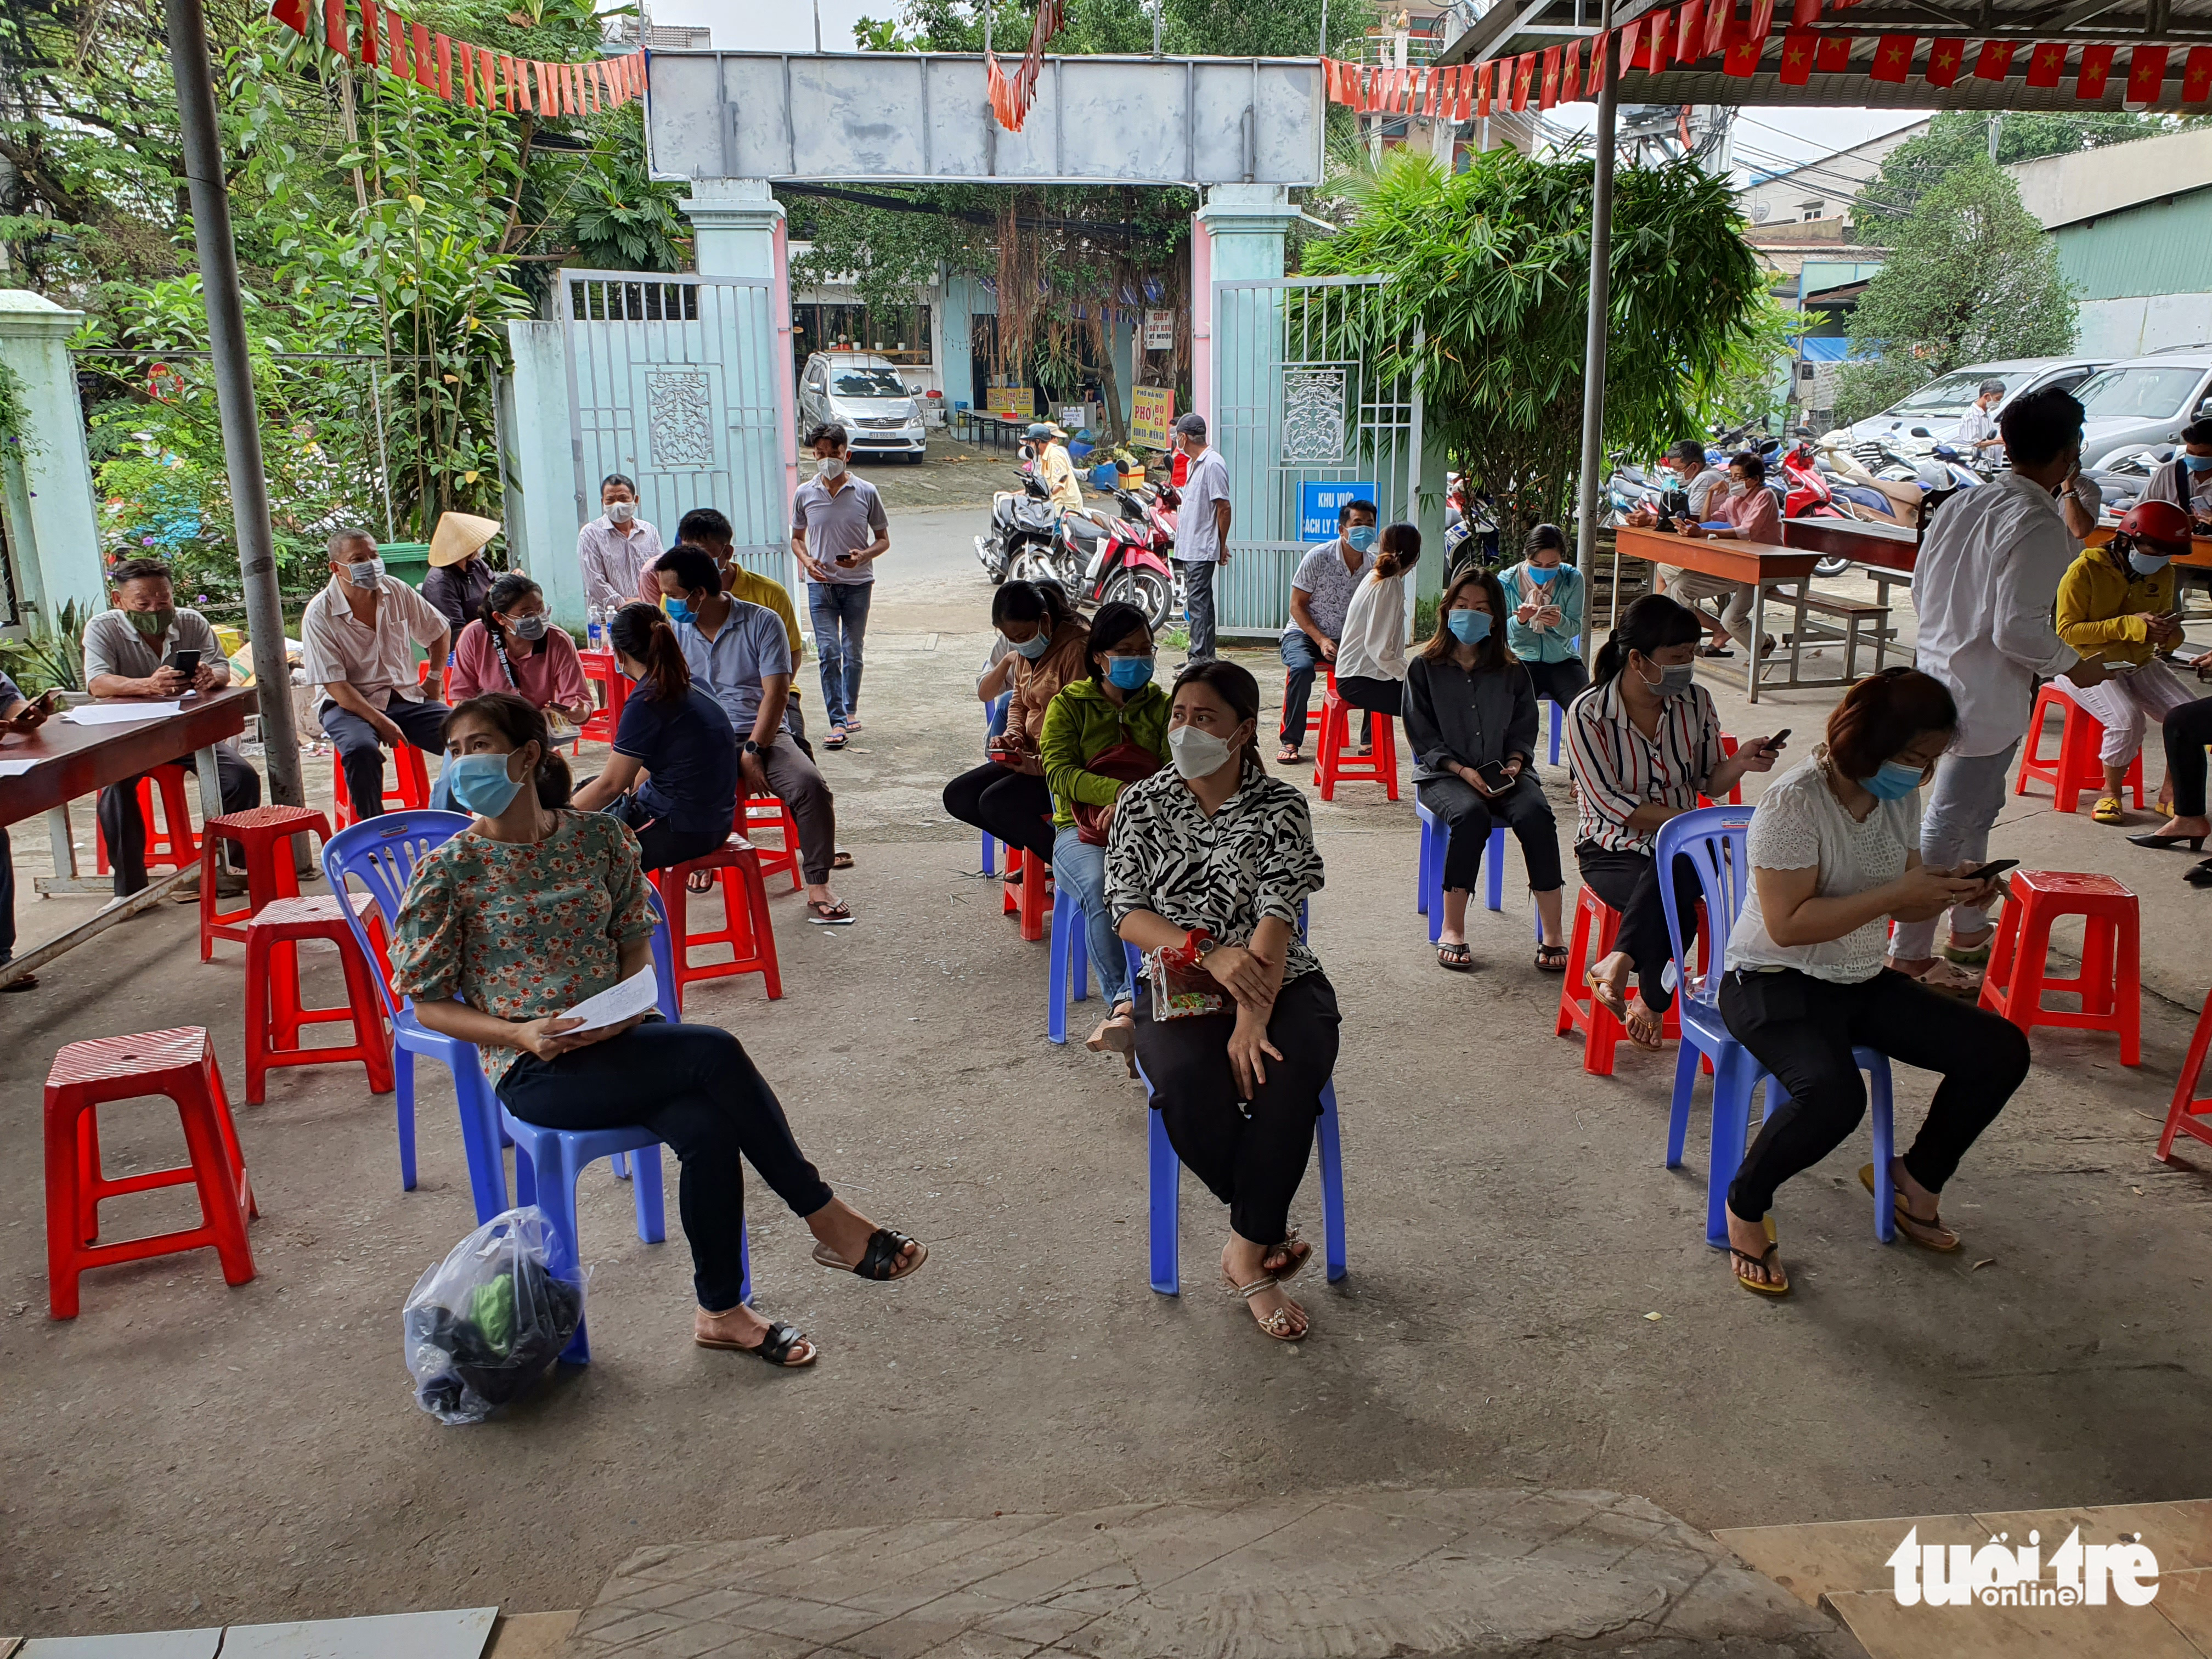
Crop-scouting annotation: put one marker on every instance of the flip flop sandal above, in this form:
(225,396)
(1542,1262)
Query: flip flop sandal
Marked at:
(1607,999)
(1927,1235)
(1551,958)
(840,859)
(28,982)
(1289,758)
(852,724)
(880,1261)
(2107,810)
(775,1347)
(836,740)
(1765,1260)
(1277,1324)
(1457,957)
(839,914)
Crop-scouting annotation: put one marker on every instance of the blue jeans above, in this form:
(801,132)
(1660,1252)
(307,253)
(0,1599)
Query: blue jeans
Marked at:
(1079,870)
(840,613)
(1302,658)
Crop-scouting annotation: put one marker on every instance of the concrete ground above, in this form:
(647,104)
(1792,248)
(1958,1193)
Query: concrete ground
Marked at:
(186,1453)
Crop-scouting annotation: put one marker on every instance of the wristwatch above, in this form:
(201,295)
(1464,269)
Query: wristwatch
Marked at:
(1204,943)
(751,748)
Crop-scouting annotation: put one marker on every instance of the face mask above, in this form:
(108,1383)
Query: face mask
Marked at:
(480,783)
(1130,673)
(2146,564)
(678,611)
(368,573)
(1892,781)
(621,511)
(1737,486)
(1036,647)
(1674,682)
(2198,462)
(1196,753)
(1542,574)
(530,628)
(152,623)
(1469,626)
(1360,538)
(830,467)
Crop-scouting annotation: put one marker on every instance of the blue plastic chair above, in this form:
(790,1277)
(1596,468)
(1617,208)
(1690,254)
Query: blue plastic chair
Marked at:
(1716,841)
(1436,838)
(1165,1182)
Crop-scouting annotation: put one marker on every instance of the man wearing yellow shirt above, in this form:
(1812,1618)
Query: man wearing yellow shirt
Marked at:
(1054,464)
(2118,601)
(705,528)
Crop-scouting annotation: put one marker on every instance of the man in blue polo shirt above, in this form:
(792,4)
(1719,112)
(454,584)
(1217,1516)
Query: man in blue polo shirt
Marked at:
(740,655)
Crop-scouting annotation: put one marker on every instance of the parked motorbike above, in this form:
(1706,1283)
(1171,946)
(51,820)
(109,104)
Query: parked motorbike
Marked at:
(1021,521)
(1132,560)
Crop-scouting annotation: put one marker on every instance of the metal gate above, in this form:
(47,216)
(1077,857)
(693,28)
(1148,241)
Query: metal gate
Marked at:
(672,382)
(1312,384)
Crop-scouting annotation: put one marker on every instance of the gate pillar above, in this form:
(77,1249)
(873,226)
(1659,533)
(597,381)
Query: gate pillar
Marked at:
(741,232)
(46,471)
(541,513)
(1237,236)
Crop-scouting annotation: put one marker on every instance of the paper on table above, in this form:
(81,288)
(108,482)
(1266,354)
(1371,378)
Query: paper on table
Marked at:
(638,994)
(15,768)
(121,713)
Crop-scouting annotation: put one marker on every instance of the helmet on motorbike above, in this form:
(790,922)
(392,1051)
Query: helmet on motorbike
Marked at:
(2157,527)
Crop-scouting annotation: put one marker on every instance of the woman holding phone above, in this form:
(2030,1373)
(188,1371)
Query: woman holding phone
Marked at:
(1471,721)
(1835,855)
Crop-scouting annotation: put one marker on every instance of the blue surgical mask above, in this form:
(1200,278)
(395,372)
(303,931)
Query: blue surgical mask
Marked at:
(366,574)
(480,783)
(1892,781)
(1037,648)
(1360,538)
(678,611)
(1542,574)
(2145,564)
(1469,626)
(2198,462)
(1130,673)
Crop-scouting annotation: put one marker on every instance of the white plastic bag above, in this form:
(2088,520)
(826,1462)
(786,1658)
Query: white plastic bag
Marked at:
(484,1324)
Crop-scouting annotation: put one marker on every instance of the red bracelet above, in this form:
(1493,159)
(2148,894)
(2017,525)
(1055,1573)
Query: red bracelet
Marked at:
(1186,955)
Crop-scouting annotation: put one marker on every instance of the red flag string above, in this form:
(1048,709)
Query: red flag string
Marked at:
(411,52)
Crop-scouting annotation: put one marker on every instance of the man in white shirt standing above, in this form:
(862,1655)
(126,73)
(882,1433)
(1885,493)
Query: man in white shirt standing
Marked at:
(617,548)
(1201,531)
(1987,578)
(1977,429)
(356,638)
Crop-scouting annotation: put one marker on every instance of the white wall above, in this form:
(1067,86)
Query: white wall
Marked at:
(2063,190)
(776,25)
(2130,327)
(1834,179)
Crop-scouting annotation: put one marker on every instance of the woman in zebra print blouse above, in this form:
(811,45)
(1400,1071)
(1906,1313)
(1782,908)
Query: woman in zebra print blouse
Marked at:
(1209,861)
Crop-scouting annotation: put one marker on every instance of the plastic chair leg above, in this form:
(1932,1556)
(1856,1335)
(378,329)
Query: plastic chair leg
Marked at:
(990,856)
(651,1215)
(1734,1079)
(620,1164)
(481,1138)
(1494,895)
(1331,1183)
(1427,874)
(1555,734)
(1885,1138)
(1678,1115)
(403,1078)
(1056,987)
(556,1196)
(1165,1183)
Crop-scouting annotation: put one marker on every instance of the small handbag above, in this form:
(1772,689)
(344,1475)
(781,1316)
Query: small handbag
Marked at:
(1126,762)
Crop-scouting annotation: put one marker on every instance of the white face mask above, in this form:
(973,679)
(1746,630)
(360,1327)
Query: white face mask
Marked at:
(830,467)
(1197,753)
(366,574)
(621,512)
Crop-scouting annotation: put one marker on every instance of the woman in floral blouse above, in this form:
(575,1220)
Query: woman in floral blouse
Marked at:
(1209,860)
(533,907)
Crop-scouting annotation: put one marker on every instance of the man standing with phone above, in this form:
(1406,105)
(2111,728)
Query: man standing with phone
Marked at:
(1201,531)
(838,531)
(140,649)
(1984,587)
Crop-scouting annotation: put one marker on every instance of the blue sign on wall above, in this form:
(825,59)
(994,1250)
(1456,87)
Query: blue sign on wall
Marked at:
(1320,503)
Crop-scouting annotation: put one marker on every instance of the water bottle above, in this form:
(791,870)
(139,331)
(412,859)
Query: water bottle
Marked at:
(593,629)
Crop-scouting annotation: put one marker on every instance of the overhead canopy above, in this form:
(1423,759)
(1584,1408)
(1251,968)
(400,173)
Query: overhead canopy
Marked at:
(2154,53)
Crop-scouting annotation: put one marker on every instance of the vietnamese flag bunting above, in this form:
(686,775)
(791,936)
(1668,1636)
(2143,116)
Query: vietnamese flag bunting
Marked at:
(2096,69)
(1743,57)
(2046,65)
(1944,58)
(1548,94)
(445,49)
(334,28)
(292,14)
(1524,70)
(2146,74)
(1689,32)
(368,33)
(1803,12)
(1797,57)
(1893,57)
(2196,75)
(1484,78)
(1832,54)
(1570,72)
(395,46)
(1995,61)
(1720,27)
(421,36)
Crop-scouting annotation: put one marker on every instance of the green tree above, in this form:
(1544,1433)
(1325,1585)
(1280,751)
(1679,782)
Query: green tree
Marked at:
(1494,262)
(1972,277)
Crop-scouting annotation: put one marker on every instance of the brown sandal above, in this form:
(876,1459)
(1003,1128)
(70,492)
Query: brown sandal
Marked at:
(1551,958)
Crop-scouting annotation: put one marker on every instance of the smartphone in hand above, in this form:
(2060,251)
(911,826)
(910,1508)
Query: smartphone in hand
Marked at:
(1989,871)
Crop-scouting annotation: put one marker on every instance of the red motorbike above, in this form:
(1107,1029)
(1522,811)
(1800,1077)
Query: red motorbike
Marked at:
(1806,494)
(1133,562)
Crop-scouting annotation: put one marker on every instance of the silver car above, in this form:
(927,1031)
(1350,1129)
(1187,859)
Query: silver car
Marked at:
(2143,403)
(1930,415)
(863,394)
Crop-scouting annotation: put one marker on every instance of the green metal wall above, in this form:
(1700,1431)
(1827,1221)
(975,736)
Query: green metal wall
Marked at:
(2139,253)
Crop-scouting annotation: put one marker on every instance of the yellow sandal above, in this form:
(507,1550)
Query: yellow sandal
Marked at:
(2107,809)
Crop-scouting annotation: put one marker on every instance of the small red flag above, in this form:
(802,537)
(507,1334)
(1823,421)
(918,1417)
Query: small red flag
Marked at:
(334,28)
(445,67)
(1570,72)
(1658,41)
(425,74)
(1742,57)
(1720,27)
(468,76)
(1944,58)
(1689,32)
(292,15)
(1995,61)
(1804,12)
(1548,94)
(368,33)
(1524,71)
(2196,75)
(1893,57)
(1623,58)
(2146,74)
(1762,22)
(2096,69)
(1796,58)
(1832,54)
(2046,65)
(1485,76)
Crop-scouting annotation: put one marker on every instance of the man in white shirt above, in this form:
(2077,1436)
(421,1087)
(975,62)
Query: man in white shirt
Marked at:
(1702,482)
(1321,597)
(355,640)
(1977,429)
(1201,531)
(2186,480)
(617,548)
(1055,467)
(1987,578)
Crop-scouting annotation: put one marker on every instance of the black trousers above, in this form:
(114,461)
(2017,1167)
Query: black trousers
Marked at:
(1803,1029)
(1379,696)
(1562,681)
(659,847)
(1011,806)
(1250,1154)
(1522,809)
(124,828)
(695,1087)
(2188,729)
(361,751)
(1629,882)
(7,897)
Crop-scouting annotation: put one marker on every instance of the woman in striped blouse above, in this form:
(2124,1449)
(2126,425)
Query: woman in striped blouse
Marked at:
(1645,743)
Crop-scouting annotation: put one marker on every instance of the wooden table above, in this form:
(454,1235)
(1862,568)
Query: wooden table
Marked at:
(2199,557)
(1759,563)
(76,760)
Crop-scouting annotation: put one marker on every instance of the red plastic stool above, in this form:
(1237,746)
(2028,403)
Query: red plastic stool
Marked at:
(1031,897)
(274,1013)
(2111,982)
(2076,766)
(412,795)
(1335,762)
(601,669)
(264,834)
(1734,795)
(2189,1106)
(171,842)
(746,928)
(179,1064)
(1579,1009)
(758,812)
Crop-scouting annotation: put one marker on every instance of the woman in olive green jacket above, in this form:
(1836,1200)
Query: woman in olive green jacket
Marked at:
(1116,717)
